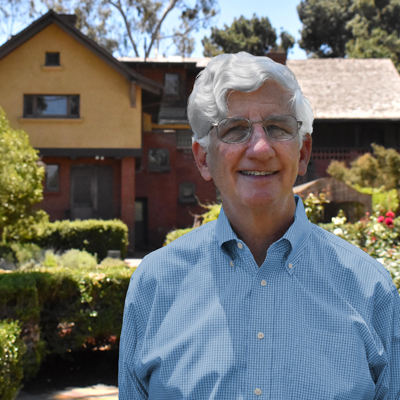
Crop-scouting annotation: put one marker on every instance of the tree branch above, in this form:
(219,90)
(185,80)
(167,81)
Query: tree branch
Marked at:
(167,10)
(118,6)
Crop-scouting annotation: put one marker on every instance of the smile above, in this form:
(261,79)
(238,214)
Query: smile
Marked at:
(257,173)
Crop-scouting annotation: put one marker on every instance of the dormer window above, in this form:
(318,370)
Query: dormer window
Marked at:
(52,60)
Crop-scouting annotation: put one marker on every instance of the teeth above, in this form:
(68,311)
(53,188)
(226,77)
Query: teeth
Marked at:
(256,173)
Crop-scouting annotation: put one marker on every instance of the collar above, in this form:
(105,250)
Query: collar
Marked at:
(296,235)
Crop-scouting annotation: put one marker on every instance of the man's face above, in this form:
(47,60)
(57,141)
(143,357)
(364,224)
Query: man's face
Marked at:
(232,166)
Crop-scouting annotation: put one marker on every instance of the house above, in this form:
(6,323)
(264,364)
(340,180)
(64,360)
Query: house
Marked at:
(115,137)
(356,102)
(82,110)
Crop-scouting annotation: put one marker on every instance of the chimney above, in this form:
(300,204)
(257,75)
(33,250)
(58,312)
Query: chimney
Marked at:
(278,56)
(68,18)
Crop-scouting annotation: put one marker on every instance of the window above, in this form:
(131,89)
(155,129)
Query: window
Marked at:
(50,106)
(158,160)
(184,139)
(52,178)
(172,84)
(52,60)
(187,192)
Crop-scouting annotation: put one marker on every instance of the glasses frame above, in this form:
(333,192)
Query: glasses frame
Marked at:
(299,125)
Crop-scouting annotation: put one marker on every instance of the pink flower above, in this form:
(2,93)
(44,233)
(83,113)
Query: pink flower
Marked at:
(390,214)
(389,222)
(373,239)
(381,218)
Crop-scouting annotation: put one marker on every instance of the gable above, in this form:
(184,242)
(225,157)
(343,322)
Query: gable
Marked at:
(107,117)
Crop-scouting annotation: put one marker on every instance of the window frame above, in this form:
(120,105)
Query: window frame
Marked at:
(48,55)
(46,180)
(177,76)
(158,154)
(187,186)
(35,114)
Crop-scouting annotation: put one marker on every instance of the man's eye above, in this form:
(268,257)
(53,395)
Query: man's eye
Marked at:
(276,130)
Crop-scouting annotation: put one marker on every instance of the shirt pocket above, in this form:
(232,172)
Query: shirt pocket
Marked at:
(324,365)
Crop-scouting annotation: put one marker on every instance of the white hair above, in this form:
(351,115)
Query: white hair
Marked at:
(240,72)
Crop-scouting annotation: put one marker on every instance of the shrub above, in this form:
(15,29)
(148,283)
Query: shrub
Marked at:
(64,308)
(20,177)
(12,349)
(93,236)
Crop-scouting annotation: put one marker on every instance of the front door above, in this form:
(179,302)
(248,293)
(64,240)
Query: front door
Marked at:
(92,192)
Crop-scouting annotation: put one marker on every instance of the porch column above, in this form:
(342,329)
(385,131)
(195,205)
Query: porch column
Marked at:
(128,198)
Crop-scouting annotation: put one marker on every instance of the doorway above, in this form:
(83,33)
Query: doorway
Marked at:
(92,192)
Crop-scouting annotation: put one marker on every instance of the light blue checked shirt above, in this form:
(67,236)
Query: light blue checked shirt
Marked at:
(320,319)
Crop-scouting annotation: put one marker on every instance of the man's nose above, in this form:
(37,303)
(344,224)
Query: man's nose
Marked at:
(260,144)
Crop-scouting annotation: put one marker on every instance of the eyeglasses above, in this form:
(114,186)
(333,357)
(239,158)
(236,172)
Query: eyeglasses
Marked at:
(277,127)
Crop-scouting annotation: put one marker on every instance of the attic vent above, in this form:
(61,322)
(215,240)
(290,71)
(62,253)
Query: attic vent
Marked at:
(52,59)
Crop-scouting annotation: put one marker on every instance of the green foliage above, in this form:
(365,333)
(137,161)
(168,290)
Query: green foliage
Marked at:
(385,201)
(93,236)
(20,177)
(122,26)
(314,207)
(351,28)
(65,307)
(378,235)
(12,349)
(210,215)
(255,36)
(380,170)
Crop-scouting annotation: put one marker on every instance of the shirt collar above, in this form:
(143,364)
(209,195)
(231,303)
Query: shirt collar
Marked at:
(296,235)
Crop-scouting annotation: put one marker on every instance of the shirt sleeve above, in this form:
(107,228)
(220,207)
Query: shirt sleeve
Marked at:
(129,385)
(388,384)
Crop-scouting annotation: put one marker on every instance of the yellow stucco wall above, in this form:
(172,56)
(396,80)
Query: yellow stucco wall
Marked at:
(107,119)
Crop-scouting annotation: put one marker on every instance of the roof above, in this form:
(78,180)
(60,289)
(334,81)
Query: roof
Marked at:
(195,62)
(349,88)
(337,88)
(334,190)
(63,22)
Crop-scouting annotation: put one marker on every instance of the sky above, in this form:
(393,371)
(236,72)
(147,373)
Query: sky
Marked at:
(281,13)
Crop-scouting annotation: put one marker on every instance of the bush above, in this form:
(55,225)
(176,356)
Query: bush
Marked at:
(20,177)
(93,236)
(12,349)
(63,307)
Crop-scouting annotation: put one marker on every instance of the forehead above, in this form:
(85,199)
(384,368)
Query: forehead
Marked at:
(269,99)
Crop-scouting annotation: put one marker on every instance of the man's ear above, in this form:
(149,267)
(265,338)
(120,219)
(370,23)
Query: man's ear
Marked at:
(305,154)
(200,155)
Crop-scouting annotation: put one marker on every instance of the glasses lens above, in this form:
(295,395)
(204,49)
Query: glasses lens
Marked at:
(281,127)
(234,130)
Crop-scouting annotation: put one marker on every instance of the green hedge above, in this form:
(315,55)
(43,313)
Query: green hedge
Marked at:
(63,309)
(12,349)
(94,236)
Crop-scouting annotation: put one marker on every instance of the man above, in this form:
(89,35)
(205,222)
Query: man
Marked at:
(260,303)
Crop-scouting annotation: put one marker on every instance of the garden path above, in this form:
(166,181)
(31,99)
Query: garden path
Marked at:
(96,392)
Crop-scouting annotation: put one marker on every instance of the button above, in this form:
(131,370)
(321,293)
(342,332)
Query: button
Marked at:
(263,283)
(290,265)
(258,391)
(240,245)
(230,262)
(260,335)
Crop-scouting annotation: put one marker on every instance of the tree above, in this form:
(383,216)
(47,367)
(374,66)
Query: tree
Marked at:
(20,177)
(255,35)
(352,28)
(378,170)
(125,26)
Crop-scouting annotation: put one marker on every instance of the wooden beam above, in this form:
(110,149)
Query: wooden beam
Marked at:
(133,94)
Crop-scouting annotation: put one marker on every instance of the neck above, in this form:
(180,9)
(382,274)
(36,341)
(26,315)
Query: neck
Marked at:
(259,229)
